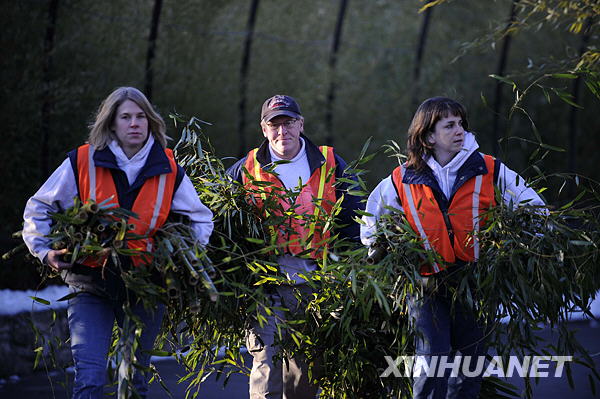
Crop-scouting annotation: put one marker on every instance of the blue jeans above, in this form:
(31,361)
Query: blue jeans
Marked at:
(442,332)
(91,321)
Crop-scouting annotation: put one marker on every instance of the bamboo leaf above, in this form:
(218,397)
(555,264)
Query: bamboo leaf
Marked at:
(40,300)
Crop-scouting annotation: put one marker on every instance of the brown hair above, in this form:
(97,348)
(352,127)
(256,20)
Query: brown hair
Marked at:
(423,123)
(101,133)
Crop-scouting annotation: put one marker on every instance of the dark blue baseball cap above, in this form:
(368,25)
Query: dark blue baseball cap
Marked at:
(277,105)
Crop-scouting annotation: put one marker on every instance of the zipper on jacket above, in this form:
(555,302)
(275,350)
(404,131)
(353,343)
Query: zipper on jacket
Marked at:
(448,226)
(444,205)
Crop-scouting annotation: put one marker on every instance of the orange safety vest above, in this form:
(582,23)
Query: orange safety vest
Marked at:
(464,214)
(304,222)
(152,204)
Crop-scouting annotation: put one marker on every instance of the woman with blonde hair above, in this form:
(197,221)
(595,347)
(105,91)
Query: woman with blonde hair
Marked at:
(126,162)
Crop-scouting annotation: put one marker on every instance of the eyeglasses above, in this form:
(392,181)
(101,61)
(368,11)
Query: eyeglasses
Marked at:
(287,124)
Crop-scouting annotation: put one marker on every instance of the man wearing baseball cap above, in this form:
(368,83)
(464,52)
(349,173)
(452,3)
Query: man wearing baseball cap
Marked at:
(288,172)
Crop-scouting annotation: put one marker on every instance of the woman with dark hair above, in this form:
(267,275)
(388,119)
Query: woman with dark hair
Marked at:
(443,189)
(125,162)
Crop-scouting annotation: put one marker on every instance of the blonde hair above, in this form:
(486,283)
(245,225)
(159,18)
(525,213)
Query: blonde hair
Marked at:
(101,132)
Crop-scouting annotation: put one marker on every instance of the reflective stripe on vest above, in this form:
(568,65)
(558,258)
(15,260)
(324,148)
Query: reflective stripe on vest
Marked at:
(415,221)
(301,233)
(152,204)
(258,175)
(465,212)
(319,204)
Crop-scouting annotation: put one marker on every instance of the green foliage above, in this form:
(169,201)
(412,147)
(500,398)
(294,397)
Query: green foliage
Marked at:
(359,315)
(552,260)
(186,273)
(576,16)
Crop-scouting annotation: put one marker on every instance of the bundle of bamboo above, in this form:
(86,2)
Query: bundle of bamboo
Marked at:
(93,229)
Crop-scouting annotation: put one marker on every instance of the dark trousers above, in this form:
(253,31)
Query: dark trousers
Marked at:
(441,331)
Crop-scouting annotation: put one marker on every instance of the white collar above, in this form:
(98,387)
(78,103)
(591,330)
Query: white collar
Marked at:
(138,156)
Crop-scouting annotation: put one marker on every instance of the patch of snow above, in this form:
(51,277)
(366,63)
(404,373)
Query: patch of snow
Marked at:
(14,301)
(221,354)
(579,315)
